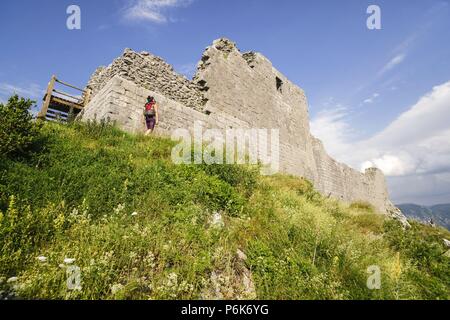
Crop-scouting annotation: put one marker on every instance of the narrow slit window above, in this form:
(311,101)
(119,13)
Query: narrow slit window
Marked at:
(279,83)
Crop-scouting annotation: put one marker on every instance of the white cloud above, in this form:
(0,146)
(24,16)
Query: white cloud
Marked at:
(331,126)
(415,145)
(392,63)
(152,10)
(391,165)
(32,91)
(428,118)
(371,99)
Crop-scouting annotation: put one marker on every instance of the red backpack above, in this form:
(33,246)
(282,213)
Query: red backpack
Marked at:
(149,109)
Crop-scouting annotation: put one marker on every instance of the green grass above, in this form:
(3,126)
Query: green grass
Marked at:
(76,198)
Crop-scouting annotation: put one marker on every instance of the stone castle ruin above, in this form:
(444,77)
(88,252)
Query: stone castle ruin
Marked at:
(230,90)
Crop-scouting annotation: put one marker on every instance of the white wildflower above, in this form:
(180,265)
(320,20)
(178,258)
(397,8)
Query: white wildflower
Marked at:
(69,260)
(134,214)
(150,260)
(119,208)
(74,212)
(42,258)
(172,280)
(133,255)
(116,288)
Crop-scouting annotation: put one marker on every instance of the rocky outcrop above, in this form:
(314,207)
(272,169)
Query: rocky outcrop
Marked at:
(396,214)
(231,90)
(447,243)
(232,283)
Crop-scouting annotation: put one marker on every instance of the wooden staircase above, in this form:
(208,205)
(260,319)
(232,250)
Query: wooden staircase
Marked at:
(61,106)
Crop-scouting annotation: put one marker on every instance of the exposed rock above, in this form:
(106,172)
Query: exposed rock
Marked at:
(249,291)
(250,57)
(231,283)
(396,214)
(241,255)
(225,45)
(447,243)
(12,280)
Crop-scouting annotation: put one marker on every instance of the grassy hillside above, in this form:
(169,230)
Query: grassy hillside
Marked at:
(140,227)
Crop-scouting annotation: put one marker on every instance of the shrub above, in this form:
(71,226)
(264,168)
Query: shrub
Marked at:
(17,130)
(424,247)
(369,222)
(96,129)
(362,205)
(240,176)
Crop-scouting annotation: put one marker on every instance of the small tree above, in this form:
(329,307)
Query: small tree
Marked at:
(18,131)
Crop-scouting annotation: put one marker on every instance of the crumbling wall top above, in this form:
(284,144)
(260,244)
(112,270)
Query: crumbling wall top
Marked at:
(150,72)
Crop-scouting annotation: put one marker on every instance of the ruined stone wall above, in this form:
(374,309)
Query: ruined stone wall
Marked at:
(121,101)
(230,90)
(152,73)
(342,182)
(246,86)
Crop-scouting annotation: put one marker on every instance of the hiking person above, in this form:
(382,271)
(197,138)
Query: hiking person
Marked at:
(431,223)
(151,114)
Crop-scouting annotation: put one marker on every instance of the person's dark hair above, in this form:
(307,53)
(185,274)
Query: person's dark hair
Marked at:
(150,99)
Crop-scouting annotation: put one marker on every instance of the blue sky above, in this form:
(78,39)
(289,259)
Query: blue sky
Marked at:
(365,87)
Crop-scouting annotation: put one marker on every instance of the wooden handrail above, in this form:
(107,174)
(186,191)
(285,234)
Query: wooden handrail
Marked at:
(68,103)
(69,85)
(67,95)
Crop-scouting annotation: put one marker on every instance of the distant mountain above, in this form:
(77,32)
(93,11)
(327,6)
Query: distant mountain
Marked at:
(439,213)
